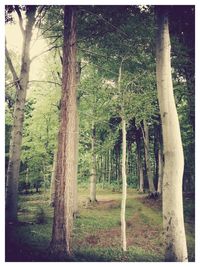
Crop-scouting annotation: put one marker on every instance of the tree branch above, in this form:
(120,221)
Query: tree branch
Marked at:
(16,80)
(20,19)
(38,81)
(43,52)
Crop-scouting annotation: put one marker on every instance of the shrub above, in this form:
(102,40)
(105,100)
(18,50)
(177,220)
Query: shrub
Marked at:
(40,216)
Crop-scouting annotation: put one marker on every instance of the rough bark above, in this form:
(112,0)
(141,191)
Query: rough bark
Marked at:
(93,177)
(21,84)
(124,187)
(147,159)
(64,187)
(173,221)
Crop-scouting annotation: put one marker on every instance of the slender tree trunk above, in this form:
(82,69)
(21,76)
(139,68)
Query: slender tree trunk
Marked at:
(93,177)
(139,164)
(124,186)
(109,166)
(21,84)
(27,180)
(173,221)
(76,166)
(160,170)
(64,187)
(53,180)
(148,163)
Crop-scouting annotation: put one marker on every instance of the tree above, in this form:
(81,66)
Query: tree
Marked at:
(139,161)
(147,158)
(66,155)
(93,167)
(21,84)
(173,221)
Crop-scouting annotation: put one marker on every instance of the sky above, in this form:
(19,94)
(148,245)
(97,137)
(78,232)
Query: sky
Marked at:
(14,43)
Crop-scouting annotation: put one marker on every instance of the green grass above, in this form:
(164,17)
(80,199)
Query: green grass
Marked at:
(96,235)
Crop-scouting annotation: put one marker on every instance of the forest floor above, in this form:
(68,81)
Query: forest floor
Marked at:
(96,229)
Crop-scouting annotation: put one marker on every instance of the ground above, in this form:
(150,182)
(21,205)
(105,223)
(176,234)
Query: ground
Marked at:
(96,230)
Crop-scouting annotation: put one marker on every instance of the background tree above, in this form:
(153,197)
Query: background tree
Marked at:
(21,84)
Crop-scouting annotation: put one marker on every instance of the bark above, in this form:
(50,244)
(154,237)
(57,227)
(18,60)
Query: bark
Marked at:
(64,187)
(124,187)
(21,84)
(173,221)
(147,159)
(139,164)
(93,177)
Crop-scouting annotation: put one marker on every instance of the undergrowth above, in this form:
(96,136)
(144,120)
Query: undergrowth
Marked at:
(96,235)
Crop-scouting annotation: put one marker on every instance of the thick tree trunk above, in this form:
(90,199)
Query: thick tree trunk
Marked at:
(173,221)
(21,84)
(64,187)
(124,187)
(139,164)
(93,177)
(147,159)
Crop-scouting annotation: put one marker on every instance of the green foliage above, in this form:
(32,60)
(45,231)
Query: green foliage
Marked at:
(40,216)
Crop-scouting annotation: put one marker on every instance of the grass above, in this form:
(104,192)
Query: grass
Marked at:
(96,234)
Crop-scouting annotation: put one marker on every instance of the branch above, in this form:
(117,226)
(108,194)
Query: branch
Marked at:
(20,19)
(38,55)
(52,82)
(12,69)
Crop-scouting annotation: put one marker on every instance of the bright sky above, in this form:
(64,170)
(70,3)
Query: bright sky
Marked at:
(14,42)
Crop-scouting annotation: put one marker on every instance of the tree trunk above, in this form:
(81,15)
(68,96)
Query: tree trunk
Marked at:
(64,187)
(139,164)
(93,177)
(173,221)
(124,186)
(109,166)
(27,181)
(53,180)
(21,85)
(76,166)
(147,159)
(160,170)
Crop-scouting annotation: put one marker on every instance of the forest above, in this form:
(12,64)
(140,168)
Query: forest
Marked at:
(99,133)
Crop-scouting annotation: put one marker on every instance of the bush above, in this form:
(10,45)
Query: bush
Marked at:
(40,216)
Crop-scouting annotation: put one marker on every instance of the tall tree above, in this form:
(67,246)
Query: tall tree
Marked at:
(21,84)
(66,156)
(173,221)
(124,178)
